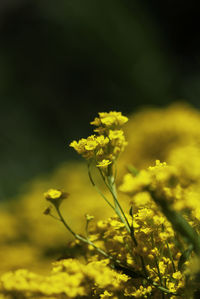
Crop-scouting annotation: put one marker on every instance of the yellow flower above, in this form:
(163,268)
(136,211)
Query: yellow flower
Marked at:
(158,220)
(96,122)
(55,196)
(171,286)
(162,267)
(177,275)
(79,146)
(91,145)
(106,294)
(104,163)
(102,141)
(116,134)
(108,121)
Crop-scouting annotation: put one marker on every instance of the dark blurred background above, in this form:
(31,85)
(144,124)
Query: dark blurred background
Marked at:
(63,61)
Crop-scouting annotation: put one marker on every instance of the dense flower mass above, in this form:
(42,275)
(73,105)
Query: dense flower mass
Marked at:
(149,248)
(69,278)
(160,178)
(155,238)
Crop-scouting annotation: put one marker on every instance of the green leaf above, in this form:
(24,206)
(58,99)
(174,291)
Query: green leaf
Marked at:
(131,211)
(184,257)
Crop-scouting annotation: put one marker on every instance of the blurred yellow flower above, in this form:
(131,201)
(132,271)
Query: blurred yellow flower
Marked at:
(104,163)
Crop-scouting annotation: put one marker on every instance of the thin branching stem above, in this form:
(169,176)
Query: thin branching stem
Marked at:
(97,189)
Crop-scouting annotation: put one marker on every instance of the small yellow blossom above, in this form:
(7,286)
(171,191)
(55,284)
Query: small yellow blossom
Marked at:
(102,140)
(104,163)
(158,220)
(162,267)
(79,146)
(91,145)
(177,275)
(106,295)
(55,196)
(171,286)
(116,134)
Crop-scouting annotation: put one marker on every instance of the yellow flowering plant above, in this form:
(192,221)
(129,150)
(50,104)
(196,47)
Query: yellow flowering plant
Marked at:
(150,250)
(145,244)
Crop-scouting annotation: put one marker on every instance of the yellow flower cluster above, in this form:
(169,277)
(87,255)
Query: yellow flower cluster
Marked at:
(105,147)
(156,245)
(47,240)
(69,278)
(160,178)
(169,134)
(165,182)
(111,120)
(144,259)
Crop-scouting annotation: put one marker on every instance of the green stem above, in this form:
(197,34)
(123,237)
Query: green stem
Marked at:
(98,190)
(112,188)
(80,238)
(119,209)
(171,257)
(159,274)
(86,229)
